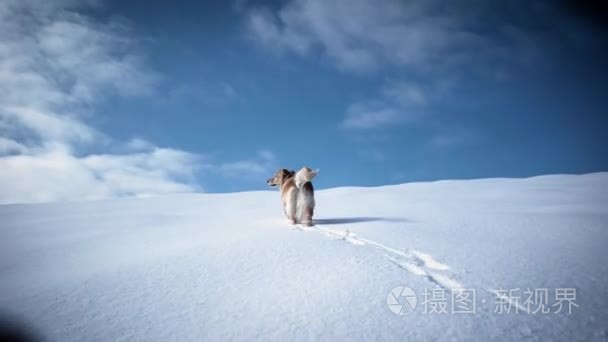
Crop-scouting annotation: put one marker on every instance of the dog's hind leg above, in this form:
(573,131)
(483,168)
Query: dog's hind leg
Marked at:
(307,216)
(290,209)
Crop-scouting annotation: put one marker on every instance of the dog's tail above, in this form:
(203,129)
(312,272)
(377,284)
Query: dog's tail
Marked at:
(305,175)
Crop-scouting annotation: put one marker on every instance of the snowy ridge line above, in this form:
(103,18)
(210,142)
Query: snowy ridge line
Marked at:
(411,260)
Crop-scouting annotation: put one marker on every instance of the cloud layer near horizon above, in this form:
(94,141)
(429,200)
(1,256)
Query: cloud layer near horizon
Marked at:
(56,64)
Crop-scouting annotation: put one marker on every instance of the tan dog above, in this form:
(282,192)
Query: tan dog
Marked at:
(297,194)
(284,179)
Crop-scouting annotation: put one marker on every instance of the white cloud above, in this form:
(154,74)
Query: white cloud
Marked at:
(267,155)
(398,103)
(56,175)
(46,124)
(139,144)
(452,136)
(158,171)
(9,146)
(434,43)
(363,36)
(366,115)
(261,165)
(55,63)
(415,37)
(406,94)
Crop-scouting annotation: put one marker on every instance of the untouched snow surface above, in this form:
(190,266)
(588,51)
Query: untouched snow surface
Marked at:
(229,266)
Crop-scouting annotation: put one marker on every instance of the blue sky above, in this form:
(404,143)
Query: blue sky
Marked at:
(114,98)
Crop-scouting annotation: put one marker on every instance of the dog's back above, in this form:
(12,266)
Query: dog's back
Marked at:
(306,203)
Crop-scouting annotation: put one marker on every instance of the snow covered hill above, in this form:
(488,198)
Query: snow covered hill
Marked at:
(228,266)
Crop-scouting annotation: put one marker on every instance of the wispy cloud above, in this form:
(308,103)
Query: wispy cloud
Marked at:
(450,136)
(9,146)
(369,115)
(262,164)
(216,94)
(408,94)
(397,103)
(363,36)
(422,45)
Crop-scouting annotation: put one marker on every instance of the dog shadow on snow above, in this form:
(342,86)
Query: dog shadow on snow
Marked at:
(345,220)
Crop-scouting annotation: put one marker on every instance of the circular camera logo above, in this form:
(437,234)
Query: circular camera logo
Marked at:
(401,300)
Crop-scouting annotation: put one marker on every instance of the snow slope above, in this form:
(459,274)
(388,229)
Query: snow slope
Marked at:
(228,266)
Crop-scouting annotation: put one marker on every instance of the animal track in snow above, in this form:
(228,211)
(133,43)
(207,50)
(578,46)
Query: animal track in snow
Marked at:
(411,260)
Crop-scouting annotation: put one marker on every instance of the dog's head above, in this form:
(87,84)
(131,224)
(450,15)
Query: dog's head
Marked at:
(280,177)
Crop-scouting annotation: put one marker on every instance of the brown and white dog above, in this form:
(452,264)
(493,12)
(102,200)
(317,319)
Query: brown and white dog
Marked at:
(297,194)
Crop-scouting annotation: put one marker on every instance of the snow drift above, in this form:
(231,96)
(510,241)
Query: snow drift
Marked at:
(228,266)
